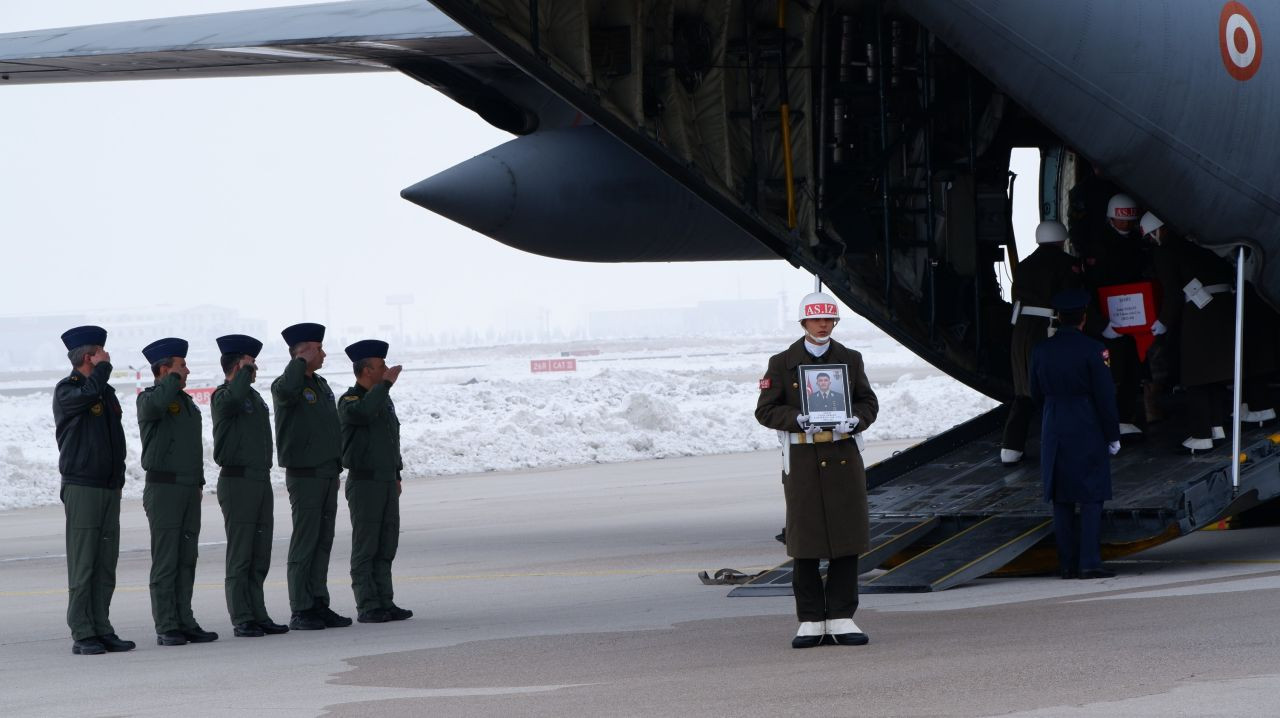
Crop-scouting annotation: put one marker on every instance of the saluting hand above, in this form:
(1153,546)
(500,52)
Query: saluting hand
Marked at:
(393,373)
(99,356)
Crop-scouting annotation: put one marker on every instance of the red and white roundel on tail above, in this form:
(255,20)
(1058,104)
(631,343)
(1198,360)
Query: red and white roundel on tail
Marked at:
(1240,40)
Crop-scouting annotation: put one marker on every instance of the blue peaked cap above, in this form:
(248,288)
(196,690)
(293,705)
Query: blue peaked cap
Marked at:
(1071,300)
(304,332)
(367,349)
(82,336)
(162,349)
(239,344)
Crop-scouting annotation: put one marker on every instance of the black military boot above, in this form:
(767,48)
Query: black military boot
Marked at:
(271,628)
(306,621)
(88,647)
(331,619)
(115,644)
(248,629)
(398,614)
(373,615)
(171,638)
(199,635)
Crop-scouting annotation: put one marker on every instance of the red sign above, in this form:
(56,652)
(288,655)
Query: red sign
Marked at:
(1131,309)
(202,395)
(539,366)
(812,310)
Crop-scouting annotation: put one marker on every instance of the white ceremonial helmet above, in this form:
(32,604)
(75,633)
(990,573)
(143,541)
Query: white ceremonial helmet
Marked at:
(1050,232)
(818,306)
(1150,223)
(1122,206)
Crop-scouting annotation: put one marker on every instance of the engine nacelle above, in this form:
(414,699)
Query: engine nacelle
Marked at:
(580,194)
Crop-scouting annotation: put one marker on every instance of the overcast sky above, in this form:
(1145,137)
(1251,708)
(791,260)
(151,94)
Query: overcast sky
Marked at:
(263,194)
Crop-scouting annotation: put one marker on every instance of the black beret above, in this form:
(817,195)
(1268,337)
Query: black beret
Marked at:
(86,335)
(304,332)
(162,349)
(367,349)
(239,344)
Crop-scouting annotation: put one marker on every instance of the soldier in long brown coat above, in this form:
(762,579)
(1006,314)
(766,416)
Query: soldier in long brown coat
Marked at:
(823,478)
(1038,278)
(1205,333)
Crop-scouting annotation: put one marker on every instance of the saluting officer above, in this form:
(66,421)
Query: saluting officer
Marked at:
(823,479)
(91,451)
(173,457)
(242,449)
(1080,431)
(1039,277)
(309,445)
(371,456)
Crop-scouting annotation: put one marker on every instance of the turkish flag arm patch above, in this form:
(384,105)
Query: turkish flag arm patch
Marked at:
(1106,357)
(765,383)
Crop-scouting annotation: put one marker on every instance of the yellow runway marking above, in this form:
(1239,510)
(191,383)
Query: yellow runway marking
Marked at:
(418,579)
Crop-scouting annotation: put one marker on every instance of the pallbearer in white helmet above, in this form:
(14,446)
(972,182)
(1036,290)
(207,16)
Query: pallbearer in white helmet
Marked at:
(1038,278)
(1117,257)
(816,395)
(1199,311)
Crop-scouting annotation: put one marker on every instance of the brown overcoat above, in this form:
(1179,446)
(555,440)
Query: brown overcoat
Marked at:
(826,488)
(1206,336)
(1038,278)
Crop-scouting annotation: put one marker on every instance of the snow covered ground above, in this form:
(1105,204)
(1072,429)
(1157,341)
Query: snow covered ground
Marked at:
(476,410)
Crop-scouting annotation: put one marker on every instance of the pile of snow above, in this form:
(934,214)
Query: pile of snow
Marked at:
(489,413)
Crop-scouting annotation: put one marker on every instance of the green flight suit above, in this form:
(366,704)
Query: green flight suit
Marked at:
(173,457)
(242,448)
(371,455)
(309,445)
(91,453)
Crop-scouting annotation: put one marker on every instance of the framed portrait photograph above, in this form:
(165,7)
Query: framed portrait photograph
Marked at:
(824,393)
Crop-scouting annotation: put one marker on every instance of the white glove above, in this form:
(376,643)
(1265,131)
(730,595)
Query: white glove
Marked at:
(1110,333)
(1113,448)
(1158,328)
(803,421)
(847,426)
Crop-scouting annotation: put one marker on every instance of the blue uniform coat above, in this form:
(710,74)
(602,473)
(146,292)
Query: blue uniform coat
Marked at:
(1071,380)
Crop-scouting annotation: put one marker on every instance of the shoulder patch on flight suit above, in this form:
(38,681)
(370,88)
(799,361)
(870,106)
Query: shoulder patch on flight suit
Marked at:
(75,377)
(309,395)
(1106,357)
(248,406)
(96,409)
(765,383)
(350,397)
(175,407)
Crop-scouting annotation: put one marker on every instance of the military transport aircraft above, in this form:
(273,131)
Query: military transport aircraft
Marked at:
(867,141)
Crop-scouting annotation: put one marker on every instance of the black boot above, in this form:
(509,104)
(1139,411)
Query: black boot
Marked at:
(399,614)
(248,629)
(115,644)
(331,619)
(199,635)
(88,647)
(271,628)
(306,621)
(171,638)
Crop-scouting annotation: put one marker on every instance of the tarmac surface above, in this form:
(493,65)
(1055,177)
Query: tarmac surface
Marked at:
(572,592)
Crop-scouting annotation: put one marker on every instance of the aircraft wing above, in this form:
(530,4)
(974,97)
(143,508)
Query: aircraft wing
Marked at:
(360,36)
